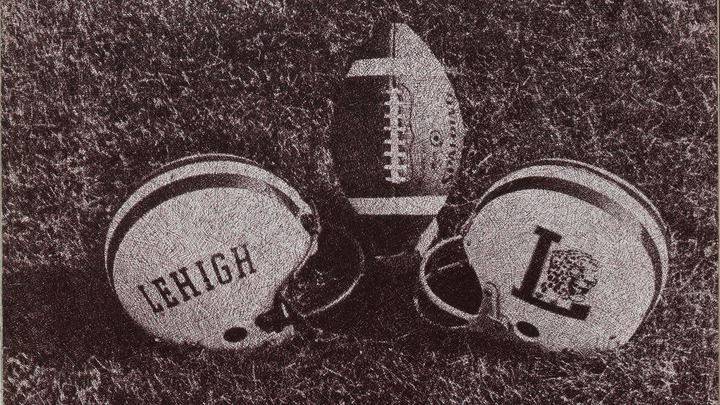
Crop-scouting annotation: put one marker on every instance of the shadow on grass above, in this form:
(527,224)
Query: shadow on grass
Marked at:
(383,311)
(60,314)
(67,315)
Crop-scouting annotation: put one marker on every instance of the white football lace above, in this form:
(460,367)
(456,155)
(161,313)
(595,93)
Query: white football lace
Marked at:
(452,114)
(397,116)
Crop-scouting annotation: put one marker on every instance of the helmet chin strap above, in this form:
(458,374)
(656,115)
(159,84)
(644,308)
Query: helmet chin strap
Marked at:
(280,315)
(489,314)
(276,319)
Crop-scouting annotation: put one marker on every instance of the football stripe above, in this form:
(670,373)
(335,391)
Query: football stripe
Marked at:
(413,205)
(592,197)
(178,188)
(380,67)
(392,67)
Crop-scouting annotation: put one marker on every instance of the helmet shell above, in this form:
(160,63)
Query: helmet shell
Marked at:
(199,251)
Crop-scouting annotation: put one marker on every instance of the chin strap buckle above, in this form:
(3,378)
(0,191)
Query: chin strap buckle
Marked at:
(489,315)
(274,320)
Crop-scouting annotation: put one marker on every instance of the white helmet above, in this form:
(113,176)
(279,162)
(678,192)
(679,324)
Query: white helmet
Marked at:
(204,250)
(567,255)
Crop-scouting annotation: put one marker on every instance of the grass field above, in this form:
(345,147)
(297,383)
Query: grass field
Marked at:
(96,94)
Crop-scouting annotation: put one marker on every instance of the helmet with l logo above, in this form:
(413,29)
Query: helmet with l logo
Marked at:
(566,255)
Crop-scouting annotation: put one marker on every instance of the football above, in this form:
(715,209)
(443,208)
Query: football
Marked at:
(396,140)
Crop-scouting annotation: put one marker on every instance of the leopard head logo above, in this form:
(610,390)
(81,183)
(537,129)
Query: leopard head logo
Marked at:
(570,276)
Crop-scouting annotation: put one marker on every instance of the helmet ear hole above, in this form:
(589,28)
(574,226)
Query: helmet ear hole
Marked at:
(234,335)
(526,330)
